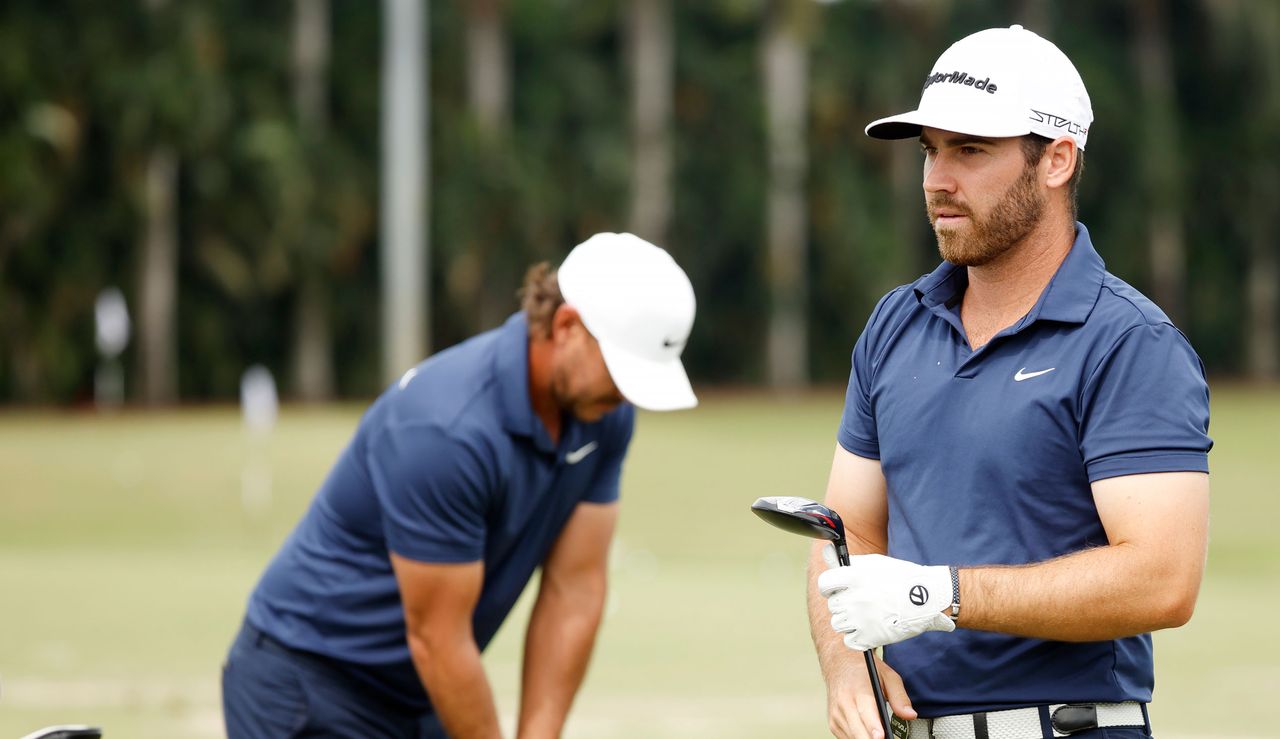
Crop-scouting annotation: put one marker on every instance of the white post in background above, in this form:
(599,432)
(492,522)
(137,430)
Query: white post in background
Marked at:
(786,86)
(405,204)
(111,316)
(259,406)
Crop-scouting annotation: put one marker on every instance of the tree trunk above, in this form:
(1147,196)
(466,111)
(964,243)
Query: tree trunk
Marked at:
(1264,264)
(1250,31)
(489,99)
(651,65)
(786,83)
(311,64)
(312,336)
(312,339)
(916,250)
(1162,165)
(488,82)
(158,280)
(1264,276)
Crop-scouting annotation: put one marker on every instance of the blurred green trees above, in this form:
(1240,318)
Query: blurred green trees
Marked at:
(275,179)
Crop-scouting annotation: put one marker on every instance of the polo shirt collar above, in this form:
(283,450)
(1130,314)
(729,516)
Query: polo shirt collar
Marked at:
(511,371)
(1071,294)
(942,287)
(1068,298)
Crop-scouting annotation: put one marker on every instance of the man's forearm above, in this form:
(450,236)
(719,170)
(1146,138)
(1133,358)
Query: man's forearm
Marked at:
(562,632)
(1098,594)
(1146,578)
(454,677)
(834,658)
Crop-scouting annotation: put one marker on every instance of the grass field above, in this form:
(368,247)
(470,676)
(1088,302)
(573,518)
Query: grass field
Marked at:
(126,556)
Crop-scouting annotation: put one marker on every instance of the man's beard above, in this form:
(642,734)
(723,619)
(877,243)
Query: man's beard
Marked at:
(1012,218)
(582,407)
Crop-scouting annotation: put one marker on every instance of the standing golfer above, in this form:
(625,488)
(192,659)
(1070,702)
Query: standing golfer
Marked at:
(481,464)
(1022,459)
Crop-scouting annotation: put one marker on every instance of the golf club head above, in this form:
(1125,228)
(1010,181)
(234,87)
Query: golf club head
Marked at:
(805,517)
(816,521)
(66,732)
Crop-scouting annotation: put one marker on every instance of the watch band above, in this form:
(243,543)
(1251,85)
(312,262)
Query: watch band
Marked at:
(954,612)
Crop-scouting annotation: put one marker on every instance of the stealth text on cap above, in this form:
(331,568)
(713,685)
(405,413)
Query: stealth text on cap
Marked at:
(1058,121)
(960,78)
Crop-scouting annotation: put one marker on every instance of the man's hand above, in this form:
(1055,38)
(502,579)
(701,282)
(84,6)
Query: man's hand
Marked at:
(851,706)
(878,600)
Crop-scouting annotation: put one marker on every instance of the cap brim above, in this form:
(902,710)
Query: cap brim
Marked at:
(652,385)
(908,125)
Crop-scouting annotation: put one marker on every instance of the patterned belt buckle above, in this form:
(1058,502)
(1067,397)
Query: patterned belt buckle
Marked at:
(899,727)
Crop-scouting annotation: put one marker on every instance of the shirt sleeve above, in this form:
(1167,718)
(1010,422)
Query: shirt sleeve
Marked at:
(435,489)
(607,485)
(857,432)
(1146,407)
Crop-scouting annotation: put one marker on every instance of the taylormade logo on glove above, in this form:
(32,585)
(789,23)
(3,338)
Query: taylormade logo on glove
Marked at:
(878,600)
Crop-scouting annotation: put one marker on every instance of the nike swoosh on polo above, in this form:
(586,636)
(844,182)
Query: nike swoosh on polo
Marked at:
(579,454)
(1023,374)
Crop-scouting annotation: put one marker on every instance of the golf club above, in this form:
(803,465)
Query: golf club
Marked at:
(66,731)
(816,521)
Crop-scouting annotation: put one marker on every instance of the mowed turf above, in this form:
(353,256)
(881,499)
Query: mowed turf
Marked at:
(126,554)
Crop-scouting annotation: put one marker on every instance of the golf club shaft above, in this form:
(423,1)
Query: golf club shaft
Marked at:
(879,692)
(842,554)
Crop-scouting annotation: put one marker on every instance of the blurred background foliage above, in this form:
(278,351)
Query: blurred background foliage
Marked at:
(199,124)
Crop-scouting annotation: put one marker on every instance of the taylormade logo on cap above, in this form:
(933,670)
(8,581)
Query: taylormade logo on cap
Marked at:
(961,78)
(998,83)
(639,305)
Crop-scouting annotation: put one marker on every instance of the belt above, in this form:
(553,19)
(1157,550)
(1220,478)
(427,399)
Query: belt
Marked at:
(266,642)
(1064,719)
(353,679)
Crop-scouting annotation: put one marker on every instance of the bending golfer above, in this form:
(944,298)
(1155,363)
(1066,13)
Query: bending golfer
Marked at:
(1022,459)
(481,464)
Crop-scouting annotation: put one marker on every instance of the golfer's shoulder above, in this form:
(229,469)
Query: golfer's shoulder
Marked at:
(460,429)
(450,397)
(1121,304)
(458,406)
(1126,322)
(893,311)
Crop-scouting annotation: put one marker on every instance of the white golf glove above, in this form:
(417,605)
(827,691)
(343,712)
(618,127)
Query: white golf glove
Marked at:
(878,600)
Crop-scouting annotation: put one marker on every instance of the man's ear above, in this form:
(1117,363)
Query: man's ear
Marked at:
(564,322)
(1061,155)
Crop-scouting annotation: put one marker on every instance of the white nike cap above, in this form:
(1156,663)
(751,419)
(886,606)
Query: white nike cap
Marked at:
(639,305)
(999,82)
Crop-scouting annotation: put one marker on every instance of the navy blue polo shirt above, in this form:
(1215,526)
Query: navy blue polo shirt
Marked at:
(450,464)
(989,456)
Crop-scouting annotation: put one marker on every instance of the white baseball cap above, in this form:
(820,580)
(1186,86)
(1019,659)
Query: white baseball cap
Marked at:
(639,305)
(999,82)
